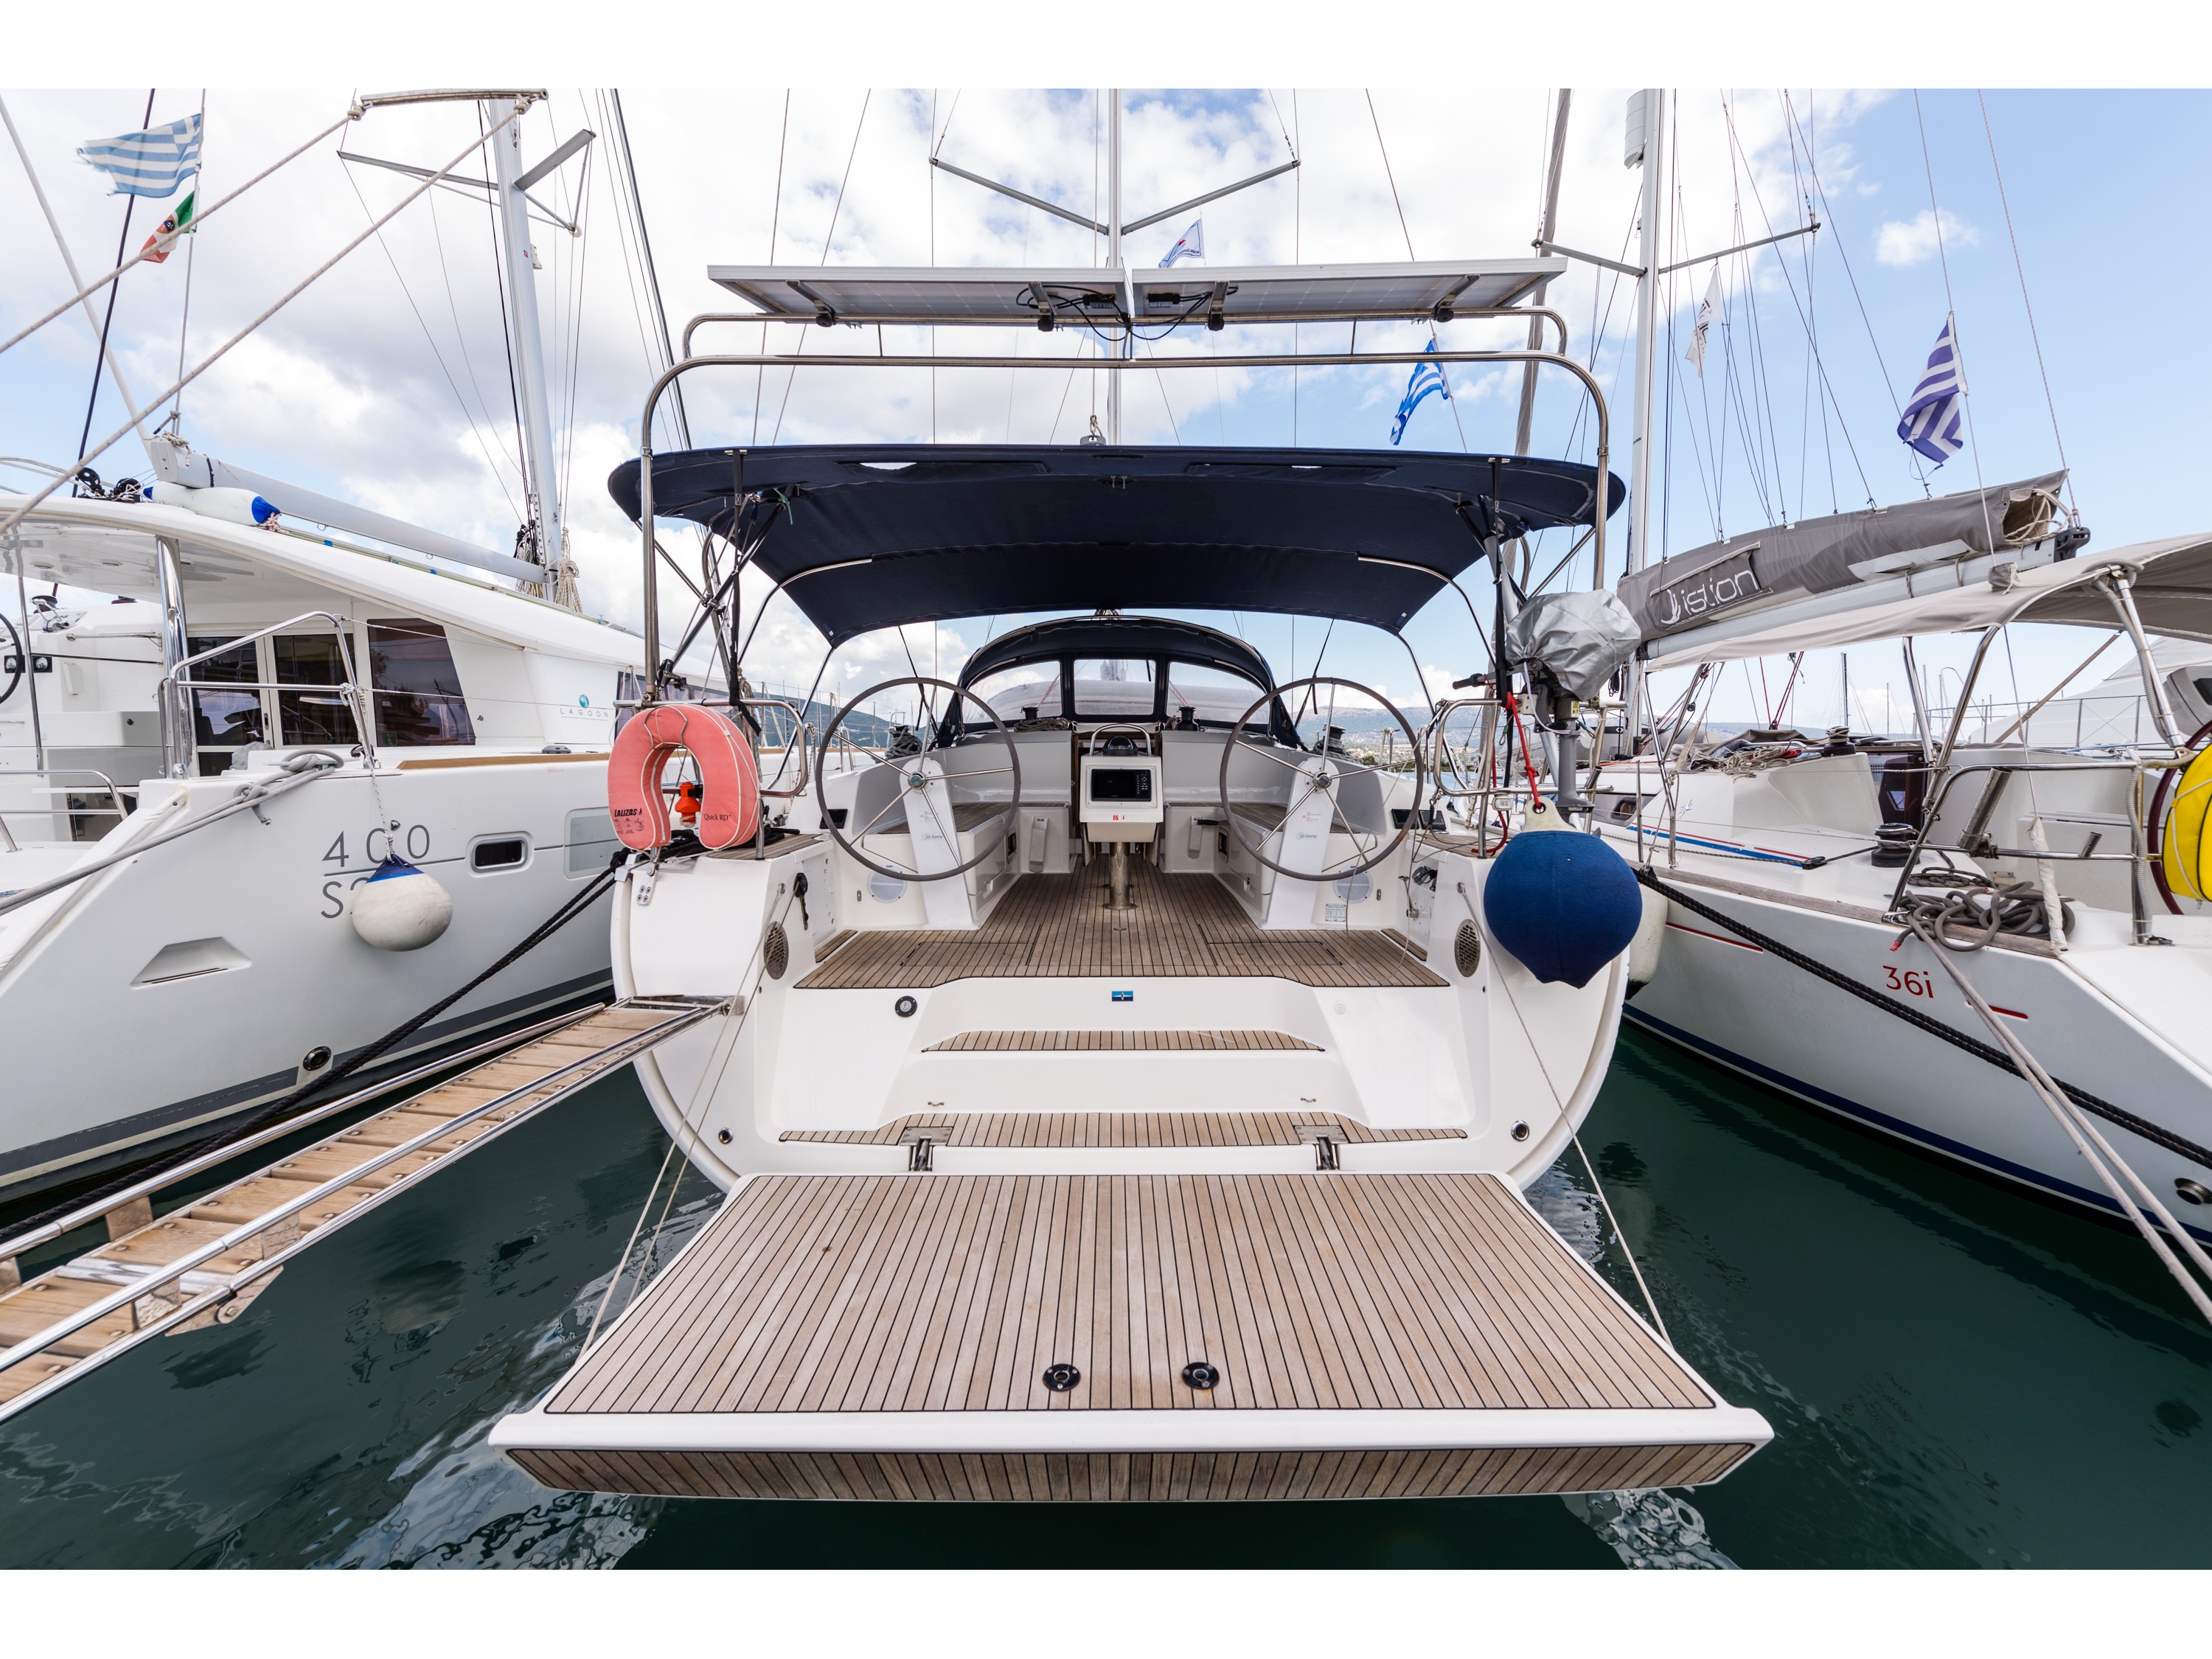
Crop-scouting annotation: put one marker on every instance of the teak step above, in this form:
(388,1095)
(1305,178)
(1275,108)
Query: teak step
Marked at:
(980,1338)
(358,1164)
(1119,1129)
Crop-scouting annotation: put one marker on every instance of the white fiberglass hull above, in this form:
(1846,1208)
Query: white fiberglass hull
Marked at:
(2123,1022)
(188,984)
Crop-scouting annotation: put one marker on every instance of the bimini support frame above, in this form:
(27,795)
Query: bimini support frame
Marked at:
(1110,365)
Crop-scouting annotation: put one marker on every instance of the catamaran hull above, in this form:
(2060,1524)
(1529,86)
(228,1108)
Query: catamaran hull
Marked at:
(198,981)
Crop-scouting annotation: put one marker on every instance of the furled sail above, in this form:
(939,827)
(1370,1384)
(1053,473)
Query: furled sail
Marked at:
(1828,555)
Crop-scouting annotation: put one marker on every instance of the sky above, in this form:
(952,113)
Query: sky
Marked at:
(387,382)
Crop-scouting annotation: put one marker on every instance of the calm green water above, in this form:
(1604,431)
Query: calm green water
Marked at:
(1956,1377)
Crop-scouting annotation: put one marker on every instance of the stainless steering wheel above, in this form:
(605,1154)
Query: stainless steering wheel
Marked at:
(1343,767)
(908,758)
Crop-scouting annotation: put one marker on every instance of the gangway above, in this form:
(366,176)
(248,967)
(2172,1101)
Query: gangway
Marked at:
(203,1262)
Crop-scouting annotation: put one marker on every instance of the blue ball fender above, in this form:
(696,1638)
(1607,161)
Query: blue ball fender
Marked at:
(1563,904)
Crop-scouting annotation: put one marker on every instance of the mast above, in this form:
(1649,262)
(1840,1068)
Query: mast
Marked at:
(1647,127)
(520,260)
(1545,231)
(1127,347)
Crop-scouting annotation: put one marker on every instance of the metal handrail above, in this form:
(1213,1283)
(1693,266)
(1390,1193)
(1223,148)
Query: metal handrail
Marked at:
(114,795)
(13,1248)
(800,733)
(355,695)
(40,1341)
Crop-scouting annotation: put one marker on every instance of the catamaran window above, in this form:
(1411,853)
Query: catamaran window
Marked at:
(1215,696)
(312,716)
(225,720)
(417,688)
(1011,691)
(1118,687)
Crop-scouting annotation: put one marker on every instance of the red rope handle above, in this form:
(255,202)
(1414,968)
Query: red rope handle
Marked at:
(1513,708)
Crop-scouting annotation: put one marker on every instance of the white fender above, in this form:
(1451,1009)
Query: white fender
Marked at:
(231,506)
(399,907)
(1650,935)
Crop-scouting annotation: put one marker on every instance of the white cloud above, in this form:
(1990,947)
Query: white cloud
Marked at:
(1910,242)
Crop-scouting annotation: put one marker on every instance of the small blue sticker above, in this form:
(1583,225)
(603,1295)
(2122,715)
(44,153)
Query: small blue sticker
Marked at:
(583,702)
(1125,996)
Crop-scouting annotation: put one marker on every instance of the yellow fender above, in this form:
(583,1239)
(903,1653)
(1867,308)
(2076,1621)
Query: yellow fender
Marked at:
(2186,851)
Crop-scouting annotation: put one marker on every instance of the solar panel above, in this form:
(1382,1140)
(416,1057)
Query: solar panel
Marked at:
(1437,290)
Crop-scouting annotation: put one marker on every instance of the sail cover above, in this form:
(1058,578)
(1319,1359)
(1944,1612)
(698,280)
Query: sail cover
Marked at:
(875,536)
(1822,556)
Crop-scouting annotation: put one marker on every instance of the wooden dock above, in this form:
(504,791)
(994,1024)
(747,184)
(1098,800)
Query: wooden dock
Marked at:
(1057,926)
(1029,1337)
(203,1262)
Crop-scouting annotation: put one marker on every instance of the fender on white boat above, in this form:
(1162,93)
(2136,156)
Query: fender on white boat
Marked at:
(400,907)
(1644,950)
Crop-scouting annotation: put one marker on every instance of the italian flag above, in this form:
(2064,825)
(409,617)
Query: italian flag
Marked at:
(177,224)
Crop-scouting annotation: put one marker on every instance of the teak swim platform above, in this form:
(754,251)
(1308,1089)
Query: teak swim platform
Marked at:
(955,1337)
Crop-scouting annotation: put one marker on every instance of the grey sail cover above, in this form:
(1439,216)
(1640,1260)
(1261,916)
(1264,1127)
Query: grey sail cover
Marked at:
(1581,637)
(1819,556)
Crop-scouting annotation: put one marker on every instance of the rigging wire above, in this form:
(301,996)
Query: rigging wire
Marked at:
(829,236)
(1297,249)
(407,294)
(1789,283)
(506,329)
(775,223)
(1404,229)
(2034,338)
(192,247)
(468,362)
(100,357)
(1958,351)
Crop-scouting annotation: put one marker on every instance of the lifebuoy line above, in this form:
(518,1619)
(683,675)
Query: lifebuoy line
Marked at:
(729,779)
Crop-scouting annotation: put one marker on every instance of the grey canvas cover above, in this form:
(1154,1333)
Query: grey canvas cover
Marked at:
(1816,556)
(1581,637)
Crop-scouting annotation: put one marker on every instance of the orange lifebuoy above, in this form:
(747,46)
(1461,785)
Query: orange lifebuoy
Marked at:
(729,792)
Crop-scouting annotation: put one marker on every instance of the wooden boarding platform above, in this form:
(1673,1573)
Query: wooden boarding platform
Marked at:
(897,1337)
(1121,1129)
(1182,1043)
(1057,926)
(203,1263)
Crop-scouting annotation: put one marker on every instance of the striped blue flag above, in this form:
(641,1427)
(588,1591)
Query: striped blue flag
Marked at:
(1426,377)
(150,163)
(1933,416)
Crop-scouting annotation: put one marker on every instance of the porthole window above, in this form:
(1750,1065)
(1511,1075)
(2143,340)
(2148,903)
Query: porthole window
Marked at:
(499,853)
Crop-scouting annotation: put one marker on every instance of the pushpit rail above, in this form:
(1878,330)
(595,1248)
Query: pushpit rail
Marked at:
(153,1313)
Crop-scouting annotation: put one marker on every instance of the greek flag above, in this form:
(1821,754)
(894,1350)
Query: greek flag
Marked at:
(1932,418)
(1192,247)
(1426,377)
(150,163)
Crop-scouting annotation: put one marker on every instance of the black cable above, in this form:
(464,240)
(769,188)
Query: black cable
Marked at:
(1936,1028)
(572,908)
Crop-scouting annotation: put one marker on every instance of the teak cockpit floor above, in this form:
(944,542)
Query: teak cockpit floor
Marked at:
(1057,926)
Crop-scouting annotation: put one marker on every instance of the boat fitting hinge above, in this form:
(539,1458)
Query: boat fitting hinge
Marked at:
(922,1141)
(1327,1140)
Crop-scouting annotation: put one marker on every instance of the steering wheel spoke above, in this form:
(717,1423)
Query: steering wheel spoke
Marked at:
(909,777)
(1322,779)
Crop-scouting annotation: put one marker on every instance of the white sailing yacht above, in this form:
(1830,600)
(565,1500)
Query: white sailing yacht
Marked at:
(1123,1093)
(1924,875)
